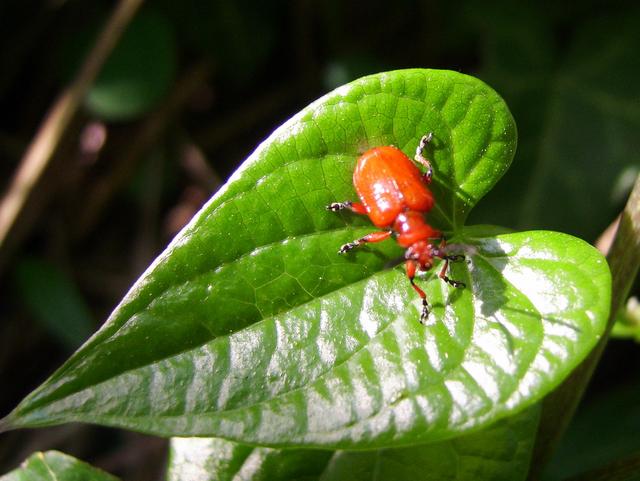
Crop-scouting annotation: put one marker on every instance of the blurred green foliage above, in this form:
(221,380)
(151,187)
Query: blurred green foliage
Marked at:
(578,114)
(138,73)
(605,429)
(55,302)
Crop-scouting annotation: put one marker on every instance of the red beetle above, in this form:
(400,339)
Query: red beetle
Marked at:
(395,196)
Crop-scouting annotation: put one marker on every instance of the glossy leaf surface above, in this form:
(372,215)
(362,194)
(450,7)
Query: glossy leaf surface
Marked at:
(500,452)
(251,327)
(55,466)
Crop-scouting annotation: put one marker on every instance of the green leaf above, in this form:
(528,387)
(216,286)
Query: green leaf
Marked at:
(53,465)
(500,452)
(250,327)
(214,459)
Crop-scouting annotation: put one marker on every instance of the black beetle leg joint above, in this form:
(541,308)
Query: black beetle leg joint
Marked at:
(348,246)
(424,316)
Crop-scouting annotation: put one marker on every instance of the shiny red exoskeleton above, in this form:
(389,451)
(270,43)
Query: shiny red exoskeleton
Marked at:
(396,197)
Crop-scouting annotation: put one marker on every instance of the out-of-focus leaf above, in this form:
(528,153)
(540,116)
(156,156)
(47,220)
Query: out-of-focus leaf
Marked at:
(627,324)
(54,300)
(139,71)
(250,327)
(603,430)
(578,116)
(55,466)
(500,452)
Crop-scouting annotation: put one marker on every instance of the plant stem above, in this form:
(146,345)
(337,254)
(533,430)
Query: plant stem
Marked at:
(558,408)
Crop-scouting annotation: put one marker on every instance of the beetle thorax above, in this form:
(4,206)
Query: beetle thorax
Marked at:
(422,253)
(412,228)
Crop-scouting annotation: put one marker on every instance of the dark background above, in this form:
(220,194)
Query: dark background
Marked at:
(194,86)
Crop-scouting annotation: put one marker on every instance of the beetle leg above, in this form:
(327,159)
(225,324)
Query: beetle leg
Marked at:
(411,273)
(439,252)
(421,159)
(356,207)
(373,237)
(443,272)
